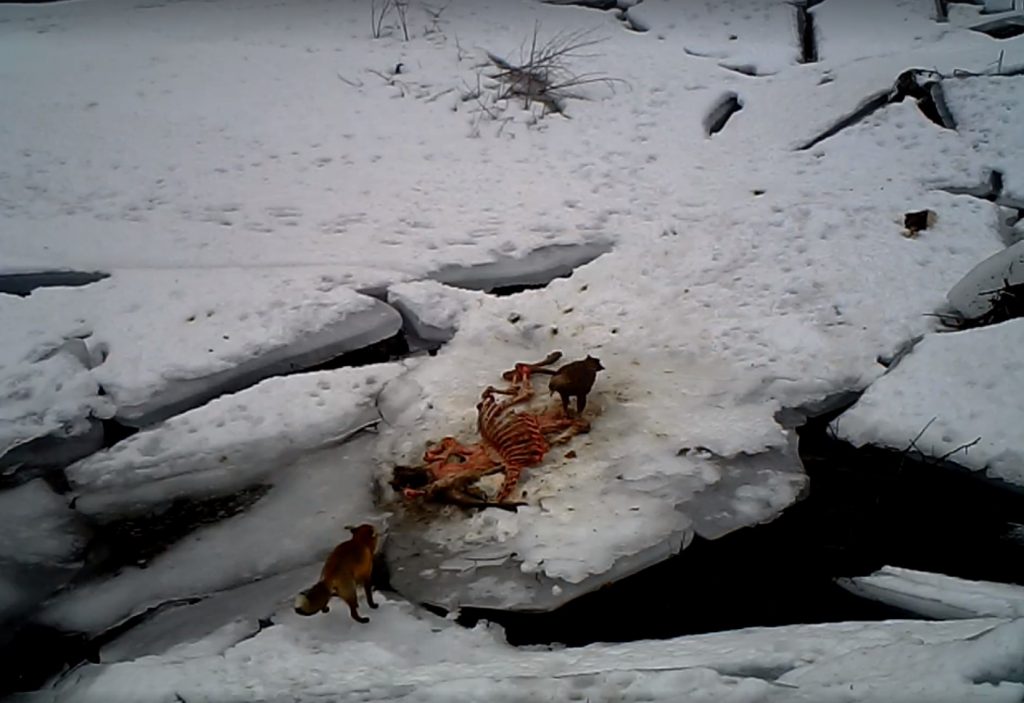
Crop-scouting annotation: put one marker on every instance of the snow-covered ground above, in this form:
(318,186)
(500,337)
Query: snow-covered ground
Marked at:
(258,178)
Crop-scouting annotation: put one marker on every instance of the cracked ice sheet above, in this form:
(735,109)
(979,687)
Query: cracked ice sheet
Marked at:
(627,500)
(301,519)
(405,654)
(166,340)
(970,382)
(230,443)
(938,596)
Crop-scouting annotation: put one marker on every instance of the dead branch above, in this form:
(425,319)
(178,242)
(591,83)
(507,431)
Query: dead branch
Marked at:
(391,80)
(402,9)
(963,447)
(354,84)
(434,13)
(913,443)
(377,15)
(437,95)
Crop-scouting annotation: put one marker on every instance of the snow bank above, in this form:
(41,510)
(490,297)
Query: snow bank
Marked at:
(431,310)
(938,596)
(232,442)
(407,655)
(535,267)
(297,523)
(46,389)
(951,389)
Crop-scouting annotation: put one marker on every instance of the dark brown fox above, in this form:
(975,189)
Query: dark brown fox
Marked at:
(575,380)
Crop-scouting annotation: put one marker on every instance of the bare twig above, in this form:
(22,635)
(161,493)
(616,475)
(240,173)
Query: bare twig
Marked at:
(913,443)
(927,459)
(402,9)
(354,84)
(377,15)
(437,95)
(391,80)
(434,13)
(459,52)
(962,447)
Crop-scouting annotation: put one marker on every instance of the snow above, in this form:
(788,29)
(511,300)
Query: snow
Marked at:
(431,310)
(297,523)
(405,654)
(196,186)
(246,214)
(938,596)
(45,386)
(950,390)
(981,106)
(230,443)
(850,31)
(757,35)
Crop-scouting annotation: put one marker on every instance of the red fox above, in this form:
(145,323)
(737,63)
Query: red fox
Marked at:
(349,565)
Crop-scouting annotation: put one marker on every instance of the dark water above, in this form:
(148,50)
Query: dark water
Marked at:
(866,509)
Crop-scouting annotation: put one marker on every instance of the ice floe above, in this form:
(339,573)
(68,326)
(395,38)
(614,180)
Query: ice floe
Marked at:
(230,443)
(938,596)
(951,390)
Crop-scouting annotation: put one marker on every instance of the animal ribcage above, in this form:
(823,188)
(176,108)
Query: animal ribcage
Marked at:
(517,438)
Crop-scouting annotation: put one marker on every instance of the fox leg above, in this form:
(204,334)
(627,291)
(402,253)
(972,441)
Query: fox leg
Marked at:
(368,589)
(347,593)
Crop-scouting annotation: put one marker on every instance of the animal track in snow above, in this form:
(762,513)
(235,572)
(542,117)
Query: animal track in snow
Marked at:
(341,223)
(285,214)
